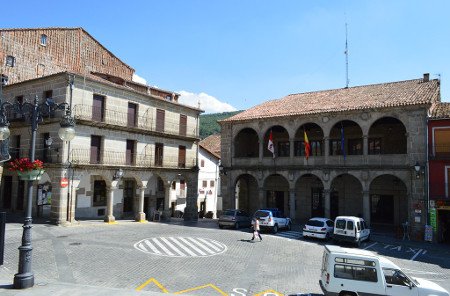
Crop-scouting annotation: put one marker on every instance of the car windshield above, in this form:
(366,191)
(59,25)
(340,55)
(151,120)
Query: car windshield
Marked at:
(315,223)
(261,214)
(228,213)
(340,224)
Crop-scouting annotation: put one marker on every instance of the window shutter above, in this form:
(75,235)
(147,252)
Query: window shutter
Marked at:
(160,117)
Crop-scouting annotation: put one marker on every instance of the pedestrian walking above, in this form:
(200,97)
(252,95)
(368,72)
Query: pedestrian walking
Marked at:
(255,224)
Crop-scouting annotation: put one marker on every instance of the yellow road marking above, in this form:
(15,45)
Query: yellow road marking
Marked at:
(202,287)
(269,291)
(161,287)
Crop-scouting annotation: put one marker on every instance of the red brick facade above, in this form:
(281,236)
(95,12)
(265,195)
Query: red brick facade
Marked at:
(66,49)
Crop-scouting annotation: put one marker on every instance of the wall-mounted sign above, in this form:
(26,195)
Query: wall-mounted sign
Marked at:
(64,182)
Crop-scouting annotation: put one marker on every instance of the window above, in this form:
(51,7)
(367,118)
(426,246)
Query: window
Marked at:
(396,277)
(335,147)
(355,146)
(43,40)
(441,141)
(160,116)
(316,148)
(130,155)
(98,108)
(99,198)
(375,146)
(205,184)
(202,163)
(181,156)
(95,149)
(10,61)
(159,154)
(48,94)
(350,225)
(211,183)
(358,273)
(132,114)
(283,149)
(183,125)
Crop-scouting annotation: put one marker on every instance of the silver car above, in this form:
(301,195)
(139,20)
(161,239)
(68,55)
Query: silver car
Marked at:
(235,219)
(318,228)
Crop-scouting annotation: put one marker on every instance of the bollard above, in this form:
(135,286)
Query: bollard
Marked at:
(2,236)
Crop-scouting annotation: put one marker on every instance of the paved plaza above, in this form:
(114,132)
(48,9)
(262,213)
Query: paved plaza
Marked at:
(130,258)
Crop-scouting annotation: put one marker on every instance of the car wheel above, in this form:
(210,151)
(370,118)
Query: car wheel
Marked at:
(288,227)
(236,225)
(220,226)
(275,228)
(358,243)
(346,294)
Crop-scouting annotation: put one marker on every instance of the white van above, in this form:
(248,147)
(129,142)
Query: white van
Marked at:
(353,272)
(350,229)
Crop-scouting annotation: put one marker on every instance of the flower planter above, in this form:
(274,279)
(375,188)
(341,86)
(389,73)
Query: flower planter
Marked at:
(30,175)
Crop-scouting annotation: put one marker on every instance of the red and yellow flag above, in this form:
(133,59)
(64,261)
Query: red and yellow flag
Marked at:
(307,146)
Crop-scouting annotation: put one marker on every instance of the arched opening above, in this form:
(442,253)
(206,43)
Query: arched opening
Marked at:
(309,198)
(246,143)
(280,138)
(387,135)
(129,198)
(276,189)
(388,201)
(246,194)
(346,138)
(154,197)
(346,197)
(315,136)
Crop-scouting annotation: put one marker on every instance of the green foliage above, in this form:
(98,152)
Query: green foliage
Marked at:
(209,125)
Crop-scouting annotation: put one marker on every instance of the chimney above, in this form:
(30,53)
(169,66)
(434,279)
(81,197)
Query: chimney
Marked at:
(426,77)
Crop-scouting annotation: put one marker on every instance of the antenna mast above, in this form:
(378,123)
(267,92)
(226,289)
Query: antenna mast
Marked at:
(346,58)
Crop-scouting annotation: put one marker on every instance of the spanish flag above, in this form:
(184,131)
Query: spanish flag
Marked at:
(307,146)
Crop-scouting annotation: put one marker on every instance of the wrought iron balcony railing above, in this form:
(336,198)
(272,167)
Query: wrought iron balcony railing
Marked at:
(118,118)
(114,158)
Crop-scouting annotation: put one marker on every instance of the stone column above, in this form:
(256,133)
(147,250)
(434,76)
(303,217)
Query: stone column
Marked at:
(166,211)
(292,203)
(261,201)
(261,149)
(109,218)
(366,206)
(73,193)
(326,143)
(191,210)
(327,200)
(140,216)
(365,145)
(291,150)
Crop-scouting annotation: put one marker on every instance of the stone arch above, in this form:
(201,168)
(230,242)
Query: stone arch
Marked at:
(309,200)
(276,192)
(280,137)
(346,196)
(246,143)
(315,136)
(388,201)
(352,134)
(387,135)
(246,193)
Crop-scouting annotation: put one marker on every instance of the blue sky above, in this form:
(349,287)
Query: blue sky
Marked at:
(236,54)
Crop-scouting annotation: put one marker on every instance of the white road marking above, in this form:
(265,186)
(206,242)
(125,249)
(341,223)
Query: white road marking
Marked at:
(180,246)
(417,254)
(192,246)
(201,245)
(154,249)
(163,247)
(183,247)
(173,247)
(369,246)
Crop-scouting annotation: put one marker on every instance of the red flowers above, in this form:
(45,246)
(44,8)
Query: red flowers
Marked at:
(24,165)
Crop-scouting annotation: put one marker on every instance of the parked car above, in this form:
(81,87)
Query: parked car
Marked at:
(350,229)
(272,219)
(349,272)
(318,228)
(235,219)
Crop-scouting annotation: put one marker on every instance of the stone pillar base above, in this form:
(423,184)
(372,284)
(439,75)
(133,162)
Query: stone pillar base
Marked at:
(140,217)
(110,219)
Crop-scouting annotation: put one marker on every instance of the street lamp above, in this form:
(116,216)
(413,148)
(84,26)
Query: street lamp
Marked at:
(417,168)
(34,112)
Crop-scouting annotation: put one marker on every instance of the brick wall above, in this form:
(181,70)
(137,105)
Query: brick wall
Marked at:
(66,50)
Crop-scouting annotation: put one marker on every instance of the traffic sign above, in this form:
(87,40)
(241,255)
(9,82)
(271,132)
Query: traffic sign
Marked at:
(64,182)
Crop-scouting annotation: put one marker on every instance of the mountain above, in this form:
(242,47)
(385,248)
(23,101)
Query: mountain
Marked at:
(209,125)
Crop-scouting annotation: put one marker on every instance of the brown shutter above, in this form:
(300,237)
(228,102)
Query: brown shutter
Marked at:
(95,149)
(183,125)
(181,156)
(130,152)
(132,108)
(159,154)
(160,117)
(98,106)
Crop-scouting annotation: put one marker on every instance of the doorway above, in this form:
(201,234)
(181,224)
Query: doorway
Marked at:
(275,199)
(444,226)
(128,196)
(382,209)
(317,208)
(334,204)
(7,189)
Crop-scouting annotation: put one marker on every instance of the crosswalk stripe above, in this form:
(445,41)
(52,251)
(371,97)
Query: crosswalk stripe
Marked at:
(290,234)
(163,247)
(183,247)
(154,249)
(173,247)
(192,246)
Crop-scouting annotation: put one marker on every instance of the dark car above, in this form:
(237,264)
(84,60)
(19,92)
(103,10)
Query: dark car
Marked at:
(235,219)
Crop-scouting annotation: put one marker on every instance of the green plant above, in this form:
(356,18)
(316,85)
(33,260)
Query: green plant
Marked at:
(24,165)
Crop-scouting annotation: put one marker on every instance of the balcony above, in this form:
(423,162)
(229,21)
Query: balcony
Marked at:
(138,160)
(120,120)
(46,155)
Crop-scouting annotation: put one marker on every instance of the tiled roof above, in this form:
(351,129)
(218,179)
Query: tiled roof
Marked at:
(440,110)
(394,94)
(211,144)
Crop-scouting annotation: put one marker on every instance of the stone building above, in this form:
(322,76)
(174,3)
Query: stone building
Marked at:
(121,124)
(364,143)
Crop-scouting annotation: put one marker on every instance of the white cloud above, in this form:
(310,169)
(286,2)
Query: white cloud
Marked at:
(208,103)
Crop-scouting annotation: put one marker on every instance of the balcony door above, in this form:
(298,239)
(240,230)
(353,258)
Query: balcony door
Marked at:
(96,142)
(132,111)
(130,152)
(98,108)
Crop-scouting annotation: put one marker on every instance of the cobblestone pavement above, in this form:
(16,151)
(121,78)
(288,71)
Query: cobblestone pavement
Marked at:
(192,259)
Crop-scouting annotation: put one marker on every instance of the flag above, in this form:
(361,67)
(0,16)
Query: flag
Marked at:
(270,145)
(342,141)
(307,146)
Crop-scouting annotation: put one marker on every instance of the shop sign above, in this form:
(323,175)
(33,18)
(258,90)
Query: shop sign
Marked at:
(433,221)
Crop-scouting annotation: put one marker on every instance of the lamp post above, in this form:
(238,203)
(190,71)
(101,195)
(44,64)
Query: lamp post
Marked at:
(34,112)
